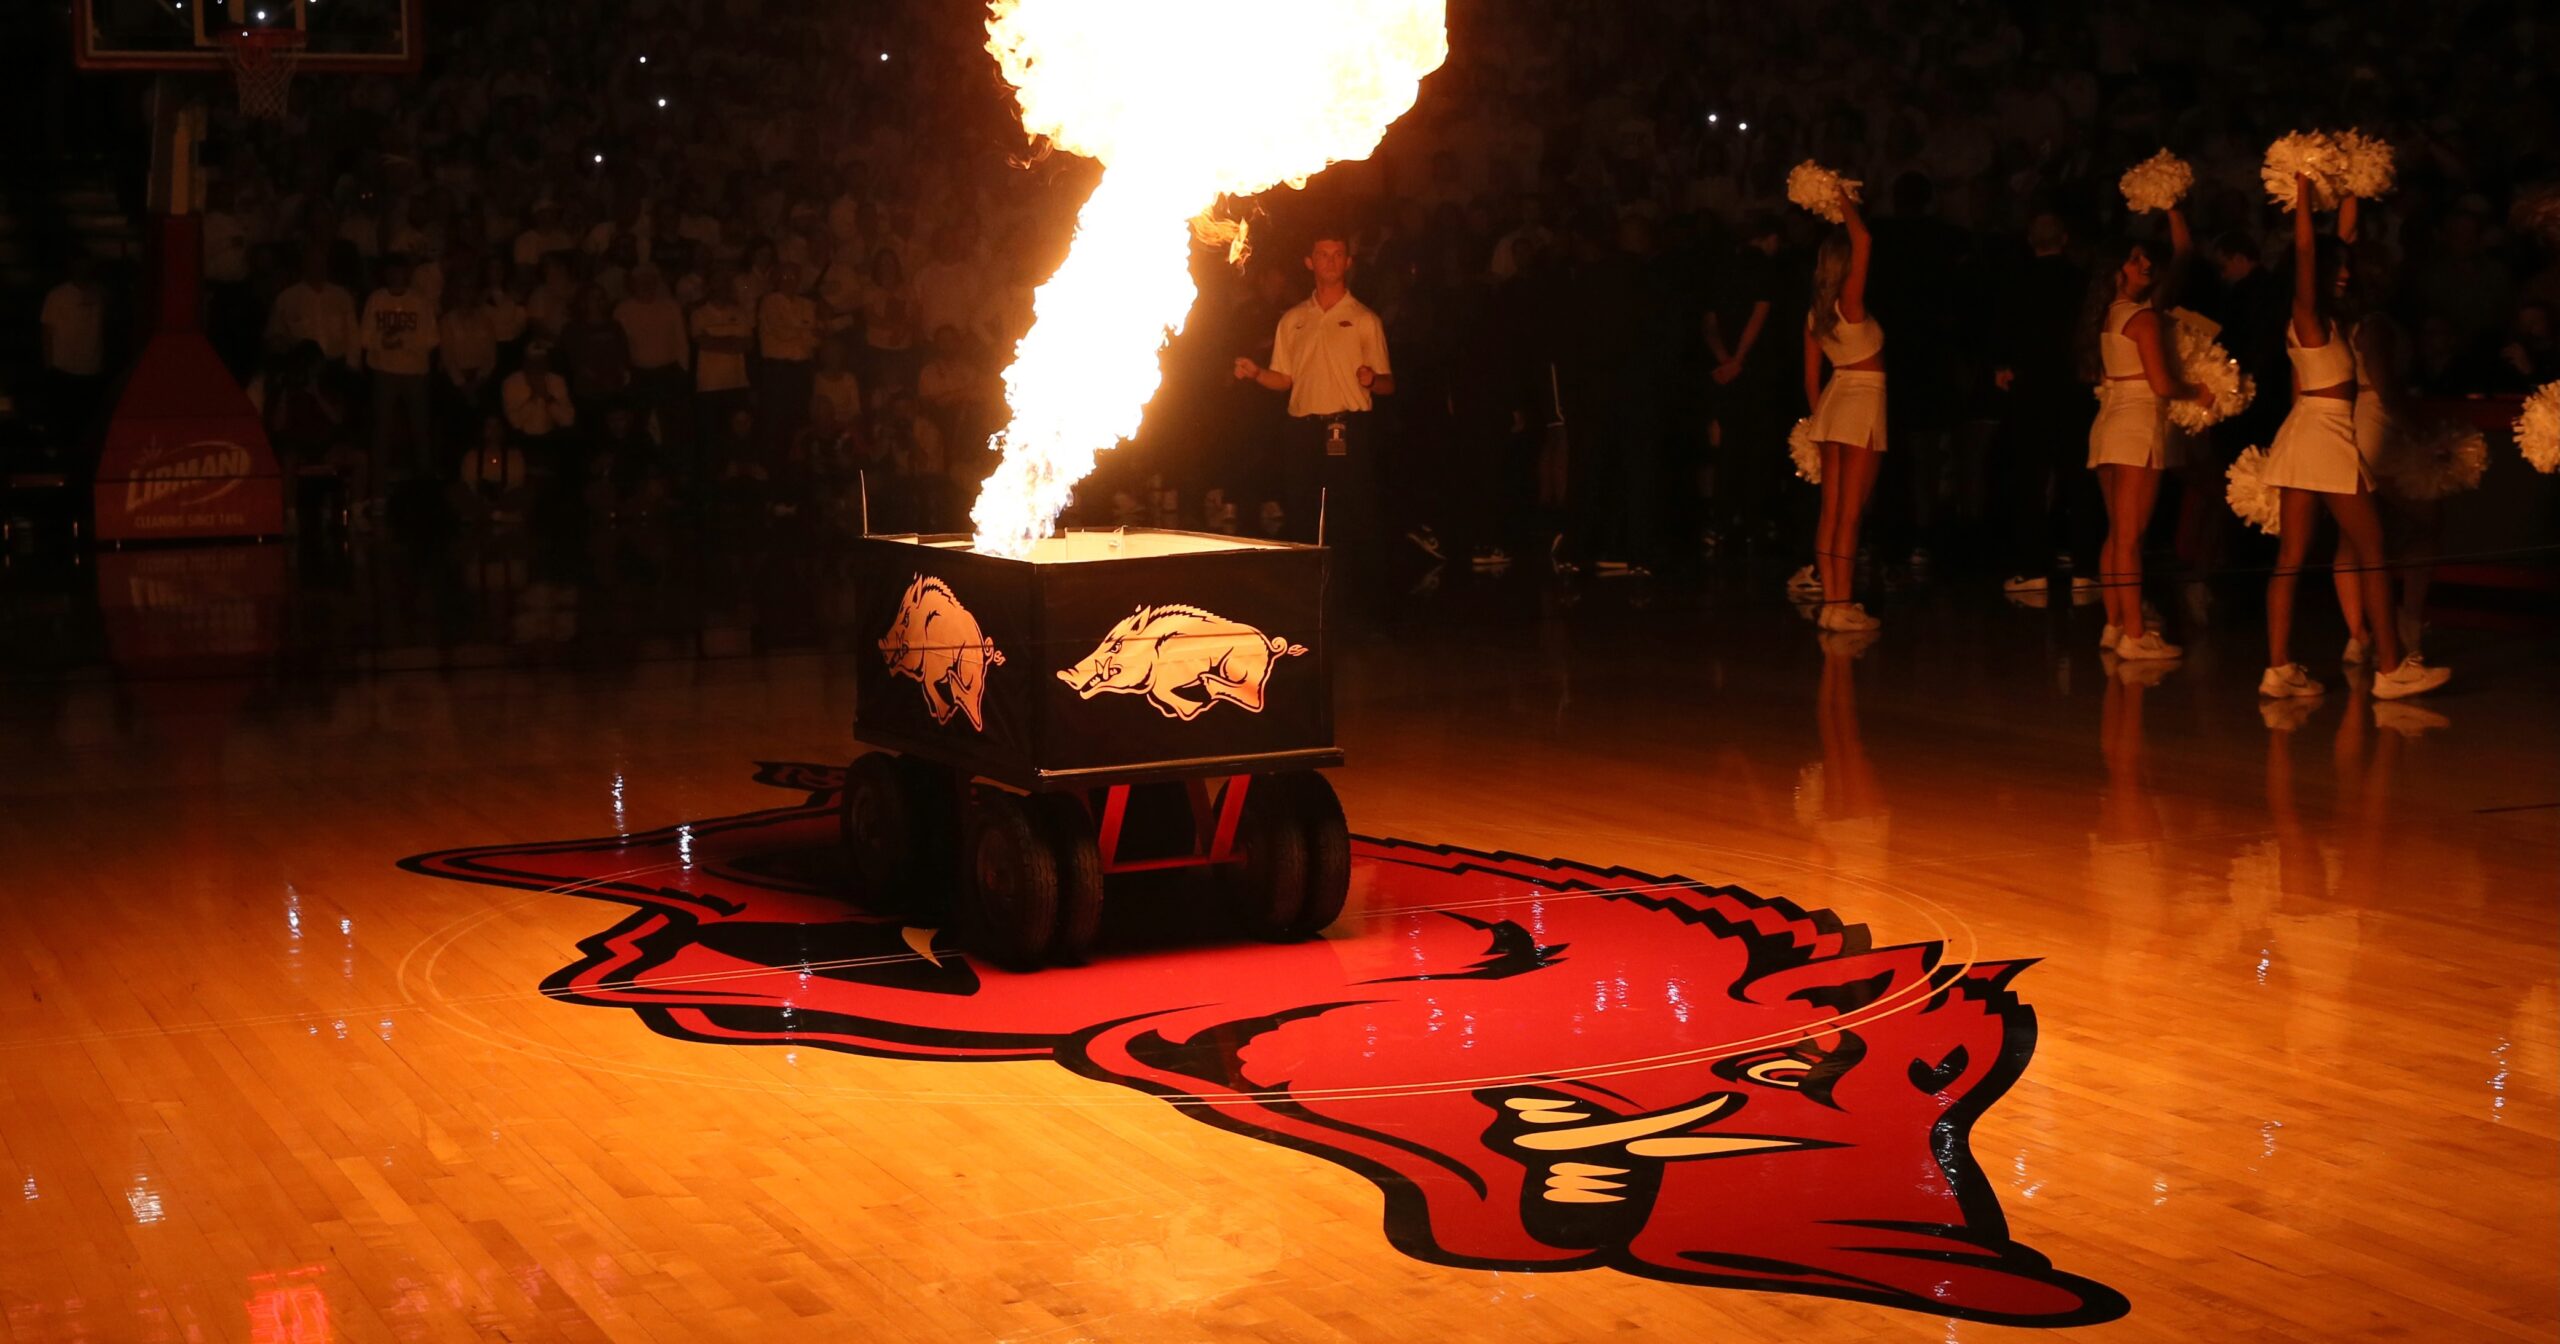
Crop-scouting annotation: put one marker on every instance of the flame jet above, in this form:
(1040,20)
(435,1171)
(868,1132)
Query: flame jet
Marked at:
(1182,102)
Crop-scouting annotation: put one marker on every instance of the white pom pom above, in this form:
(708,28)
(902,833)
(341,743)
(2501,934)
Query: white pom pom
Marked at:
(2538,429)
(2309,154)
(2203,363)
(2443,458)
(2364,165)
(2258,503)
(1807,454)
(2157,183)
(1820,190)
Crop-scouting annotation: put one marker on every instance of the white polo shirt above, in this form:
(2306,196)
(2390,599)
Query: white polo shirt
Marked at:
(1321,351)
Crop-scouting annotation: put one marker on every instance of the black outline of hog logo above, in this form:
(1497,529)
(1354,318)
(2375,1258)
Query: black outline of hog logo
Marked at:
(1218,674)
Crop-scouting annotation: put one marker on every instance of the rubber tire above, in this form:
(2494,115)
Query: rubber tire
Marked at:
(1319,813)
(1068,827)
(878,829)
(1009,892)
(1267,888)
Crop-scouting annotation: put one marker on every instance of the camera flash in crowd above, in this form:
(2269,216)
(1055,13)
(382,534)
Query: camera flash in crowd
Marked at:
(662,102)
(599,158)
(1711,118)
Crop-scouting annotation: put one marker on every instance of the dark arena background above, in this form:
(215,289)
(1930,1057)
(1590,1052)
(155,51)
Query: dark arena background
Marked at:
(1861,670)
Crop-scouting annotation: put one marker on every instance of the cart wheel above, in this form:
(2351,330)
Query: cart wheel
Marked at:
(878,832)
(1009,898)
(897,823)
(1319,815)
(1068,827)
(1268,887)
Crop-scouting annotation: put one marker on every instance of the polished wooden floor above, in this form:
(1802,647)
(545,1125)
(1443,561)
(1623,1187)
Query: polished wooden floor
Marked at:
(2296,1053)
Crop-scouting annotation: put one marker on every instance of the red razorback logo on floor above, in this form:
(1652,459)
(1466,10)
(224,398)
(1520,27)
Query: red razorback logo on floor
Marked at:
(1542,1066)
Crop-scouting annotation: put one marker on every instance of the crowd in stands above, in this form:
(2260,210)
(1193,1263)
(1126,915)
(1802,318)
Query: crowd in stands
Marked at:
(660,255)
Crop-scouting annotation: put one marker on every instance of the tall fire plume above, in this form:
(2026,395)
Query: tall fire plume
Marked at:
(1182,102)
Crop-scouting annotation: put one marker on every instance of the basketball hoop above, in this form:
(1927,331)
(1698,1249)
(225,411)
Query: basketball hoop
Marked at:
(262,62)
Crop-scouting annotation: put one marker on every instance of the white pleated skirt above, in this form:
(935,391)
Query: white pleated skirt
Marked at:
(2316,448)
(1852,409)
(2132,428)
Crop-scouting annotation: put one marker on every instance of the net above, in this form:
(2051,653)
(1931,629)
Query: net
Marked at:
(262,63)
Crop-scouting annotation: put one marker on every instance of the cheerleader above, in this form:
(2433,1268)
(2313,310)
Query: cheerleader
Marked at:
(1848,411)
(2411,526)
(2314,462)
(2137,378)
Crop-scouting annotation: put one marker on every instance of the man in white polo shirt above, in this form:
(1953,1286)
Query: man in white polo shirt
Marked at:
(1330,355)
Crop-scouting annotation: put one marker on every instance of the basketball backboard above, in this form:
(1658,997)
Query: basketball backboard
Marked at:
(341,36)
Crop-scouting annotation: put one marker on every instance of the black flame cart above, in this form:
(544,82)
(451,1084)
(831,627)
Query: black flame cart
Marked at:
(1123,701)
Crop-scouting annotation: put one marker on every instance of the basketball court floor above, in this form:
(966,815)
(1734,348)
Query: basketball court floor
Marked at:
(474,957)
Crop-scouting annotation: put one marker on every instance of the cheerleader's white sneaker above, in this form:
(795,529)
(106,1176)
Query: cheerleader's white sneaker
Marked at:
(1804,581)
(2148,645)
(2411,677)
(2286,682)
(2107,637)
(2356,652)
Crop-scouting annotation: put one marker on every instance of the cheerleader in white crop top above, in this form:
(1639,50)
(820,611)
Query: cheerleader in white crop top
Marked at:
(2129,442)
(1848,411)
(2315,463)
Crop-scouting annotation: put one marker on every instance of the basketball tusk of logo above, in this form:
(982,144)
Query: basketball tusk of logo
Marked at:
(1641,1128)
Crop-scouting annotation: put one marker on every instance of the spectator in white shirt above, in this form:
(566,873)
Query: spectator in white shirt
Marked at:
(787,338)
(836,387)
(948,290)
(467,345)
(545,237)
(701,227)
(848,216)
(399,337)
(655,326)
(722,331)
(418,233)
(538,406)
(840,290)
(74,320)
(888,323)
(317,310)
(548,309)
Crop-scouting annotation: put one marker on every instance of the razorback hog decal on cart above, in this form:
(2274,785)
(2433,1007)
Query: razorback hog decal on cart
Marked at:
(937,643)
(1543,1066)
(1163,653)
